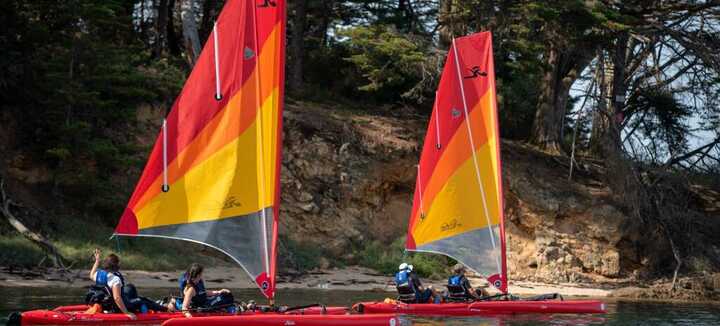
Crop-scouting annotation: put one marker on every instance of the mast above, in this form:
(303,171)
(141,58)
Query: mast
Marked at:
(459,164)
(472,149)
(194,186)
(260,135)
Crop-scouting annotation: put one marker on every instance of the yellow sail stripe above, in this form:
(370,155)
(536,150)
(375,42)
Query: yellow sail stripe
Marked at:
(458,148)
(225,184)
(456,209)
(230,121)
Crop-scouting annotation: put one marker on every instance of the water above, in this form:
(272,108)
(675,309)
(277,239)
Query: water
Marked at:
(619,312)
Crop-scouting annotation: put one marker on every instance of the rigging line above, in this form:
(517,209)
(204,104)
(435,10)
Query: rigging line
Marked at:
(218,94)
(259,115)
(420,193)
(474,155)
(438,145)
(165,187)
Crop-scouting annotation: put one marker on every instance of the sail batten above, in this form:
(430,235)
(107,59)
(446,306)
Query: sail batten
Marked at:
(457,207)
(218,153)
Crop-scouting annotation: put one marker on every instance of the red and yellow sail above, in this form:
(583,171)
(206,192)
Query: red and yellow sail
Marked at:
(457,207)
(213,174)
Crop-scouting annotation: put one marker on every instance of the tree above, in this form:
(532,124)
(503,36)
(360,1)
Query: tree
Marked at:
(190,31)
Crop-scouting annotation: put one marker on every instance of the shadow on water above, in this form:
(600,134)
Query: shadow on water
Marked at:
(619,312)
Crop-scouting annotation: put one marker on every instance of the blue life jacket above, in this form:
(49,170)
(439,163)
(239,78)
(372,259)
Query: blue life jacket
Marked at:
(460,280)
(200,298)
(101,279)
(456,280)
(402,278)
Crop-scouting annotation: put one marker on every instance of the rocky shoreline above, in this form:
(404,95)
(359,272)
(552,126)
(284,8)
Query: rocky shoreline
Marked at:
(354,278)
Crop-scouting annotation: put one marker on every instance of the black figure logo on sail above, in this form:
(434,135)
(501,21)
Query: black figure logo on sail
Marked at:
(265,285)
(268,3)
(231,202)
(447,226)
(475,72)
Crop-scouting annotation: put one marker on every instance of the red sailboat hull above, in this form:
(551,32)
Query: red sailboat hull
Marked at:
(74,315)
(294,320)
(483,308)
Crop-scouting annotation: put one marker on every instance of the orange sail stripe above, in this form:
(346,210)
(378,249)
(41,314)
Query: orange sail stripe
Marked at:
(212,176)
(457,205)
(449,109)
(241,111)
(203,92)
(457,152)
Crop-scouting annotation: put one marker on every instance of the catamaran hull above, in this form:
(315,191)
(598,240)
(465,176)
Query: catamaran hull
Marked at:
(483,308)
(294,320)
(74,315)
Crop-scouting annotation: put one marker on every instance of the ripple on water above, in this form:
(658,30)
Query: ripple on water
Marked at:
(619,312)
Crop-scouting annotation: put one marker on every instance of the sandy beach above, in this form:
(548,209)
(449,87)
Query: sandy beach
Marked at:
(349,278)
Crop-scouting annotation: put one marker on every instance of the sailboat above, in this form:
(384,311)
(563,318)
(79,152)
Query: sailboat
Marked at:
(213,174)
(458,201)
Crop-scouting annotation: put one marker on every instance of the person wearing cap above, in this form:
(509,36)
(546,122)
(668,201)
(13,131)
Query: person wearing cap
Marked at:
(458,279)
(407,277)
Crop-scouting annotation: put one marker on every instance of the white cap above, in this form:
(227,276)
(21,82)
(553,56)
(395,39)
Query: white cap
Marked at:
(410,267)
(403,266)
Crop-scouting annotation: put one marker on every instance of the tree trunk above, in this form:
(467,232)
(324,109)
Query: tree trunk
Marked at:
(563,68)
(173,41)
(190,31)
(296,46)
(44,244)
(161,28)
(209,15)
(445,20)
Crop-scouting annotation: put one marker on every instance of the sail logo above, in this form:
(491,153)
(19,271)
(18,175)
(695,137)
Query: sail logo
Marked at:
(231,202)
(456,113)
(267,3)
(447,226)
(248,54)
(475,72)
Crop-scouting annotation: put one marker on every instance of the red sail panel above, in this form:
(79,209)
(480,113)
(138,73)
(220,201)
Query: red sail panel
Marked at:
(213,174)
(457,206)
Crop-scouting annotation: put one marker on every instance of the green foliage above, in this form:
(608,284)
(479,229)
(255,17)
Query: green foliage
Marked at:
(386,259)
(77,238)
(301,257)
(86,72)
(390,62)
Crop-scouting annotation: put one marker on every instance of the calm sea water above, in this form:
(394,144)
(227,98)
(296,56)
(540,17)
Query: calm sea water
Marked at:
(619,312)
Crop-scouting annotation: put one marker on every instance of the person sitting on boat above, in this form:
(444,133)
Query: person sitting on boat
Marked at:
(109,284)
(459,288)
(409,287)
(194,295)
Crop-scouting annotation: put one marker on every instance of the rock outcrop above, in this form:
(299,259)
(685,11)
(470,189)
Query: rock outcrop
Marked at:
(348,178)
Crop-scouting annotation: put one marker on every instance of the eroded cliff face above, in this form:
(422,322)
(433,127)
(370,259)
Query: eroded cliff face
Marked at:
(348,178)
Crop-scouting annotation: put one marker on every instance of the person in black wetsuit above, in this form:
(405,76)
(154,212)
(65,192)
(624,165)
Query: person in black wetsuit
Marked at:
(112,293)
(458,278)
(195,296)
(406,276)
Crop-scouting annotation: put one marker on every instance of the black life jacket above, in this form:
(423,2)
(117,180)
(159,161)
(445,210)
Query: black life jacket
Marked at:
(200,299)
(100,292)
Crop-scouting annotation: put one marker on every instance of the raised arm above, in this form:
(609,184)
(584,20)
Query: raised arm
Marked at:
(95,266)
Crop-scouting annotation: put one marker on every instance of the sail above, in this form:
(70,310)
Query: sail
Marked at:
(457,206)
(213,174)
